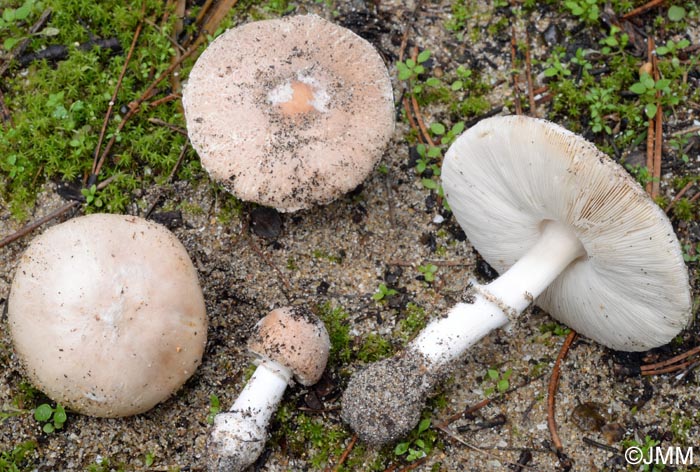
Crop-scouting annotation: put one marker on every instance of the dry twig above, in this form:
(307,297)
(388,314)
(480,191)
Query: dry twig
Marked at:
(670,365)
(460,440)
(37,223)
(552,390)
(113,100)
(345,455)
(515,77)
(643,9)
(679,195)
(528,72)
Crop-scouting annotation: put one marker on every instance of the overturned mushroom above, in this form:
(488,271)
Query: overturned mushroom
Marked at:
(569,229)
(288,343)
(106,314)
(289,112)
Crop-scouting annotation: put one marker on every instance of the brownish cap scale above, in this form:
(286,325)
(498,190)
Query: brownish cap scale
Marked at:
(294,338)
(289,112)
(106,314)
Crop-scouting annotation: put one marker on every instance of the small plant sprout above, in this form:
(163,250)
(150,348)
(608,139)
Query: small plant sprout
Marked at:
(214,408)
(568,229)
(52,418)
(419,442)
(499,382)
(288,343)
(383,292)
(428,271)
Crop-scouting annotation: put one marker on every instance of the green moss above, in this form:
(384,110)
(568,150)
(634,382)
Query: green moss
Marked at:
(374,347)
(17,459)
(684,209)
(338,326)
(413,321)
(58,109)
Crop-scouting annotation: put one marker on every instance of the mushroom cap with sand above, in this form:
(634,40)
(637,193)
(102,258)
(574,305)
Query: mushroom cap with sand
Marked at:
(506,177)
(294,338)
(289,112)
(106,314)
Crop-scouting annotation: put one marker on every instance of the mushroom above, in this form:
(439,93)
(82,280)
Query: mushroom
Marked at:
(288,343)
(289,112)
(568,229)
(106,314)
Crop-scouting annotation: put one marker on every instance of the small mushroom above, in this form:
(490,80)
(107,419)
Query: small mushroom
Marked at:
(289,112)
(569,229)
(106,314)
(288,343)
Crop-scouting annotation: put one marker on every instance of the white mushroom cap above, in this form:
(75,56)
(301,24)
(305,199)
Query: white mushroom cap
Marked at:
(289,112)
(294,338)
(107,315)
(506,176)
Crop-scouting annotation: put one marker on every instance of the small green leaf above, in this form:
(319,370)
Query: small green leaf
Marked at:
(458,128)
(432,82)
(676,13)
(647,80)
(8,15)
(59,416)
(48,428)
(457,85)
(434,152)
(49,32)
(423,56)
(9,43)
(662,84)
(650,110)
(23,12)
(437,128)
(43,412)
(638,88)
(502,385)
(423,425)
(430,184)
(493,374)
(401,448)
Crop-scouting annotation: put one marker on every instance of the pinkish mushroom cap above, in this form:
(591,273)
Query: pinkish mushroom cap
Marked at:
(294,338)
(289,112)
(107,315)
